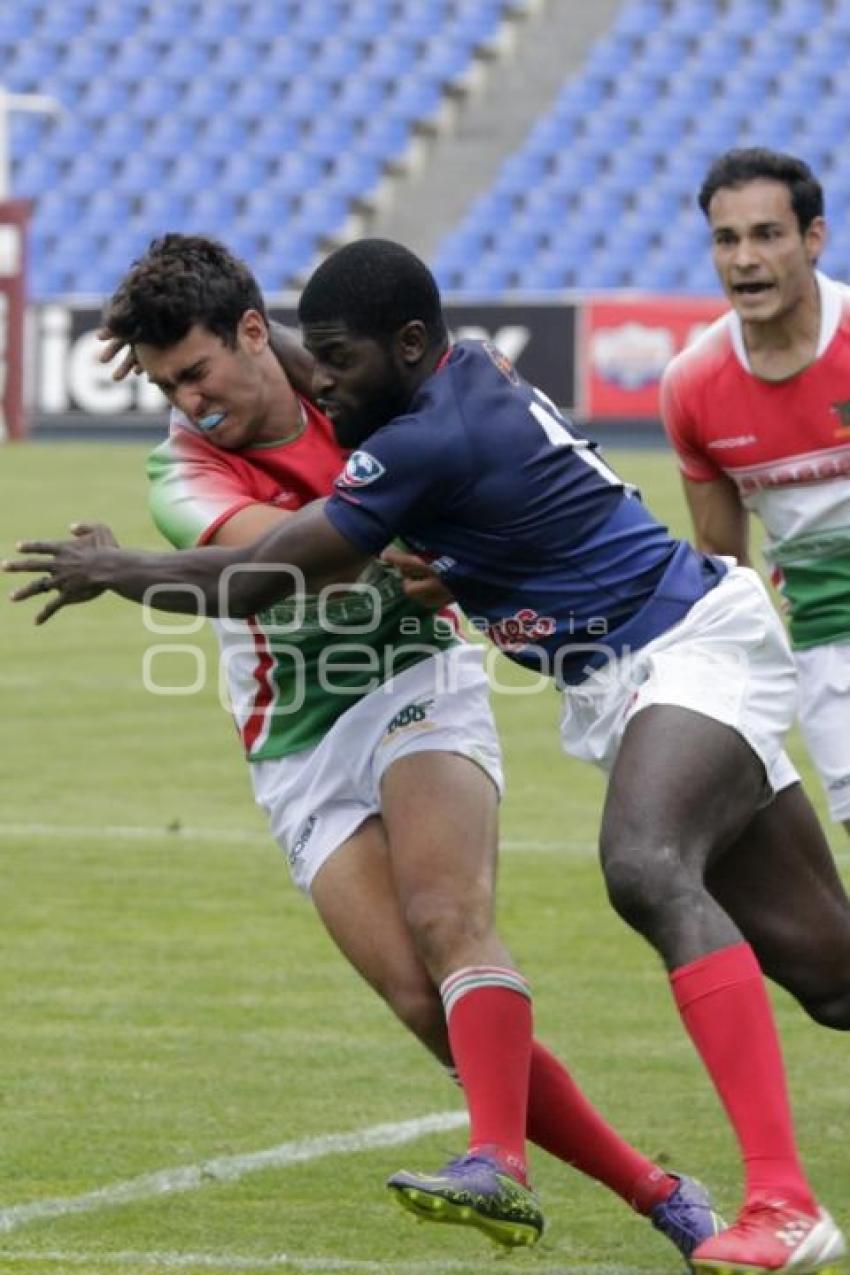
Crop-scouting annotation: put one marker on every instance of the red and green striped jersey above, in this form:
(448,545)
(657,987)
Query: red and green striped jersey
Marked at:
(786,446)
(293,669)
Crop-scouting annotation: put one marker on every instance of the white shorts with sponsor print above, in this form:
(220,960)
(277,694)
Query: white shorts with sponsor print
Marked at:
(316,799)
(824,673)
(728,659)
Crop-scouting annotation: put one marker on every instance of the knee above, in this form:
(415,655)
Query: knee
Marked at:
(633,890)
(648,888)
(831,1010)
(441,925)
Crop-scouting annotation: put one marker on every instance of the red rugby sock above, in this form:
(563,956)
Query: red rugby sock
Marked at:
(488,1011)
(565,1123)
(724,1005)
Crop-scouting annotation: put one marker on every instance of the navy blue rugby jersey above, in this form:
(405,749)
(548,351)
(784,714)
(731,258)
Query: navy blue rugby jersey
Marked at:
(549,553)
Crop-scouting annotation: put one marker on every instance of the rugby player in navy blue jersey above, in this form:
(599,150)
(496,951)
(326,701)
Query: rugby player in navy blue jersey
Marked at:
(677,680)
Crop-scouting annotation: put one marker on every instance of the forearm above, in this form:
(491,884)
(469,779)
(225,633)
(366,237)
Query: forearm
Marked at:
(195,581)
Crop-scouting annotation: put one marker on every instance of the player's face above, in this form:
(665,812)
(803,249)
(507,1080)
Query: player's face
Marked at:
(763,261)
(218,387)
(356,382)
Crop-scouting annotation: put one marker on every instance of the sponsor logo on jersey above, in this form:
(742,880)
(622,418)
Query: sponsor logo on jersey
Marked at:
(842,411)
(411,715)
(299,845)
(740,440)
(501,362)
(362,468)
(515,632)
(815,467)
(441,565)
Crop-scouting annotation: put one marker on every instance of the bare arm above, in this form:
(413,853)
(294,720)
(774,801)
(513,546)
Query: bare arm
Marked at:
(721,523)
(212,581)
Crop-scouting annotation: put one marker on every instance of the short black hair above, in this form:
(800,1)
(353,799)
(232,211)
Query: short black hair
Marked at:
(745,164)
(374,286)
(180,281)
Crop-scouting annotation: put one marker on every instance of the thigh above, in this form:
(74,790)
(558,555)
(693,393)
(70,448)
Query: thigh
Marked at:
(441,814)
(779,883)
(354,895)
(824,673)
(682,784)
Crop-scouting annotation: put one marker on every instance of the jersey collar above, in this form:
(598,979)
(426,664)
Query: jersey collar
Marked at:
(830,317)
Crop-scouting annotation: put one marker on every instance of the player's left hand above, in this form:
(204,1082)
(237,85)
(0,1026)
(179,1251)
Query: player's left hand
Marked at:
(421,583)
(64,565)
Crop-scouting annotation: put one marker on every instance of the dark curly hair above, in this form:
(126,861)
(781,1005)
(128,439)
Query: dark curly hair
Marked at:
(180,281)
(751,163)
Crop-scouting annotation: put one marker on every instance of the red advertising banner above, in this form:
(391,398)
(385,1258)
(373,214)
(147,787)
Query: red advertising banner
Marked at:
(625,345)
(14,217)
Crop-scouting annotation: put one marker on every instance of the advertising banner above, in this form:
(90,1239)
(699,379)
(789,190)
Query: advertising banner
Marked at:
(67,388)
(625,345)
(14,217)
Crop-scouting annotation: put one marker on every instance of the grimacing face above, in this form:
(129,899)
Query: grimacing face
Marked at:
(202,376)
(357,382)
(763,262)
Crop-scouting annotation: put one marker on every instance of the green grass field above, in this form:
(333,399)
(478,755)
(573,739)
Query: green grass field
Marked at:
(169,1002)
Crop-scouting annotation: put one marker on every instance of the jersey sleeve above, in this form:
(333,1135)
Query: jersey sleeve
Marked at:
(193,490)
(393,481)
(680,423)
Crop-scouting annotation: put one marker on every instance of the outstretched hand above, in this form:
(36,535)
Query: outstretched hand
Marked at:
(113,346)
(421,583)
(63,565)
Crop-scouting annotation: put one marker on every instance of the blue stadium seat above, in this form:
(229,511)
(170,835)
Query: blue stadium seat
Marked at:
(184,61)
(234,58)
(166,22)
(61,22)
(141,172)
(119,135)
(256,100)
(191,172)
(354,175)
(88,172)
(154,98)
(200,99)
(16,23)
(274,137)
(385,137)
(241,172)
(106,210)
(223,135)
(329,136)
(213,212)
(266,19)
(161,210)
(135,62)
(117,22)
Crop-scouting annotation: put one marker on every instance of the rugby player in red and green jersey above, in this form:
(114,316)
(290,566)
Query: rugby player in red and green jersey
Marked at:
(677,679)
(370,740)
(758,410)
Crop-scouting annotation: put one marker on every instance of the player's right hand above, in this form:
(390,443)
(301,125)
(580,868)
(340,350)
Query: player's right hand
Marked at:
(66,566)
(114,346)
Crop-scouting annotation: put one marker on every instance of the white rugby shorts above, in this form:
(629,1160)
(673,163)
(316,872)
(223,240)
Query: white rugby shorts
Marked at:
(824,714)
(316,799)
(728,659)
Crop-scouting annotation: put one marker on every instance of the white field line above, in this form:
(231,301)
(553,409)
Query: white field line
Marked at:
(140,832)
(230,1168)
(160,832)
(285,1261)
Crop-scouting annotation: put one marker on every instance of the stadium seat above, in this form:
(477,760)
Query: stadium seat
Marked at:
(276,118)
